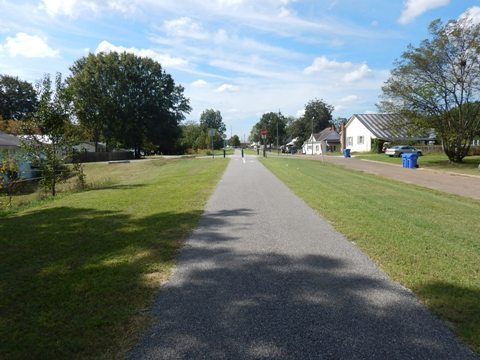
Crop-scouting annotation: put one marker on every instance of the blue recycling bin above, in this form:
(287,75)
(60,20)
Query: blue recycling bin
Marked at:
(409,161)
(346,153)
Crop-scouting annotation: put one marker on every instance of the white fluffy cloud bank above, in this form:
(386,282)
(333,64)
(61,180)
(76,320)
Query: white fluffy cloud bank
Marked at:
(348,71)
(415,8)
(165,59)
(30,46)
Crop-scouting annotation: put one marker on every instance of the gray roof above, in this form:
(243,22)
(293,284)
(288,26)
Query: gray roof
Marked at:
(8,141)
(327,134)
(384,126)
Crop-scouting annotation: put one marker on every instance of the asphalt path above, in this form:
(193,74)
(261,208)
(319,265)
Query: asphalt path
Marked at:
(265,277)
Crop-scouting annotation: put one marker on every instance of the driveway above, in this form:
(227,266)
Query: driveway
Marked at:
(264,277)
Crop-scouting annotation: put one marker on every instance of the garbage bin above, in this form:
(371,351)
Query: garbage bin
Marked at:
(346,153)
(409,161)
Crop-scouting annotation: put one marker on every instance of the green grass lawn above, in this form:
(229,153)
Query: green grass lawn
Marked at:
(78,273)
(426,240)
(435,161)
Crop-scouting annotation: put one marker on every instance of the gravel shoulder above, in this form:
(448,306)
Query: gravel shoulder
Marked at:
(264,277)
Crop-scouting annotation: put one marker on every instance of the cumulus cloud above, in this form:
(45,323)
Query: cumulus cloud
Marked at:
(349,99)
(359,73)
(199,83)
(347,70)
(226,88)
(414,8)
(164,59)
(30,46)
(345,101)
(185,27)
(472,14)
(300,113)
(74,7)
(324,64)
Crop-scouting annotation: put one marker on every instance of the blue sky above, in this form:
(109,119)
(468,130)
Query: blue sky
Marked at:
(242,57)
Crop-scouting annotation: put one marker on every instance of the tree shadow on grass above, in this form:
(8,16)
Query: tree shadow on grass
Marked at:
(458,305)
(72,279)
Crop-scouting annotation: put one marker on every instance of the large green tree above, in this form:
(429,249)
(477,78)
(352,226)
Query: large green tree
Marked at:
(193,137)
(18,98)
(437,85)
(234,141)
(128,101)
(274,123)
(318,116)
(212,119)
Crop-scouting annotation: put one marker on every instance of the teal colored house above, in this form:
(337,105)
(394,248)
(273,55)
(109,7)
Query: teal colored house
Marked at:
(10,148)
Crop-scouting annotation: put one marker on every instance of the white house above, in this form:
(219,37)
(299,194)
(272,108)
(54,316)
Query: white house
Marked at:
(361,129)
(326,140)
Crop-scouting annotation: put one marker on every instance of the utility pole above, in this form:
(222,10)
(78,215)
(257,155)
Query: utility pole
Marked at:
(312,133)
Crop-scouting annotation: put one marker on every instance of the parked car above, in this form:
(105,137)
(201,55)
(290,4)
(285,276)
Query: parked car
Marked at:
(398,150)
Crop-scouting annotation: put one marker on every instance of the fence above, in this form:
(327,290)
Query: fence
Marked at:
(474,149)
(85,157)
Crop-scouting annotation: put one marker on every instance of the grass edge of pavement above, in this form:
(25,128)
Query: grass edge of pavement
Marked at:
(440,268)
(92,262)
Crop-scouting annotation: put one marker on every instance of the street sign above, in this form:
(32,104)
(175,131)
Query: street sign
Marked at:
(211,132)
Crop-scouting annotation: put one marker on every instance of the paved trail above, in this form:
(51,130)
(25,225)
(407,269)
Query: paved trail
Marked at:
(264,277)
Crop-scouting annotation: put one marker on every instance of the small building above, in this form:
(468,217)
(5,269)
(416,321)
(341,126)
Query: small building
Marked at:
(10,143)
(362,129)
(10,148)
(327,140)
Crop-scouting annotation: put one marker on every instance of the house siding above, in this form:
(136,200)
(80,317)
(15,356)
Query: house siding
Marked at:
(358,137)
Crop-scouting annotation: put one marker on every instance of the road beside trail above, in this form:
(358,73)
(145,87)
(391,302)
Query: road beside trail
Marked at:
(265,277)
(453,183)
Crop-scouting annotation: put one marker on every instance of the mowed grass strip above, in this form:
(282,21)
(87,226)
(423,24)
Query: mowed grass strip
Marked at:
(78,274)
(470,165)
(426,240)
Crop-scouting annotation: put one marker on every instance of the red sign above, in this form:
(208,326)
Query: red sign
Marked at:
(263,132)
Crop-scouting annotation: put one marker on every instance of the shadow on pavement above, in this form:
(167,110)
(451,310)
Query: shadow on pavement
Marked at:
(228,302)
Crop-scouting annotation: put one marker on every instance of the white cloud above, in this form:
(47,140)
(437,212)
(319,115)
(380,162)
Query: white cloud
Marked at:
(199,83)
(227,88)
(30,46)
(324,64)
(347,70)
(74,7)
(348,99)
(472,14)
(164,59)
(230,3)
(345,101)
(300,113)
(185,27)
(56,7)
(359,73)
(414,8)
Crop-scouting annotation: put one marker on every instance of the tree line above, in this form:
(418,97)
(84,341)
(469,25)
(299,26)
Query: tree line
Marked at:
(282,129)
(122,100)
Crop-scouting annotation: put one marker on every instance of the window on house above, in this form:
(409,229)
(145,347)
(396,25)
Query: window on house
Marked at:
(360,139)
(350,141)
(317,148)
